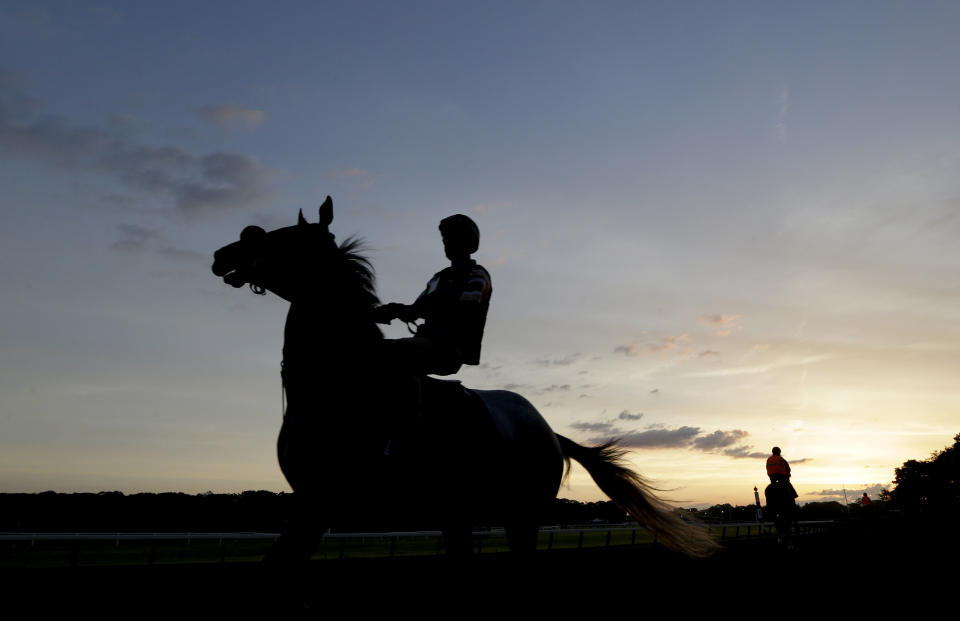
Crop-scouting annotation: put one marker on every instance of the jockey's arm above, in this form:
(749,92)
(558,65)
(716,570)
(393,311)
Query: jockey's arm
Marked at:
(388,312)
(477,289)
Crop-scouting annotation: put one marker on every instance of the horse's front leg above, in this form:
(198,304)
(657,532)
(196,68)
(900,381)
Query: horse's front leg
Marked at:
(298,541)
(458,541)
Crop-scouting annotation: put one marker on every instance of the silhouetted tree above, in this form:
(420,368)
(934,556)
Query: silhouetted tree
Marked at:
(929,485)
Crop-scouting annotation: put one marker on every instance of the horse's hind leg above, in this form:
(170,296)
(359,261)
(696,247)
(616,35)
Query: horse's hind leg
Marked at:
(522,536)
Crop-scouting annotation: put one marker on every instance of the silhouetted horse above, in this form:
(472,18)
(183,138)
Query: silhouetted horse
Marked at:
(465,454)
(781,508)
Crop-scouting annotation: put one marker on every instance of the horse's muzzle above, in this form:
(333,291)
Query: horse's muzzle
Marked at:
(228,264)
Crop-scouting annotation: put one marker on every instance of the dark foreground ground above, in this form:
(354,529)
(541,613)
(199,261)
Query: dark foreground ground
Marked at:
(842,571)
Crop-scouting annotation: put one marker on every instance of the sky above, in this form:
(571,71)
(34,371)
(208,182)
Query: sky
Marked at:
(712,228)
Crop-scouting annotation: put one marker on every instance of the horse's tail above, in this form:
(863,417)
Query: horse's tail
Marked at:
(634,495)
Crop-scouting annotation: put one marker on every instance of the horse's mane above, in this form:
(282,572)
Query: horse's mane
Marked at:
(357,272)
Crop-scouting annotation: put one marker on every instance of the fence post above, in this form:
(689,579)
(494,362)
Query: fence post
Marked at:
(550,541)
(580,541)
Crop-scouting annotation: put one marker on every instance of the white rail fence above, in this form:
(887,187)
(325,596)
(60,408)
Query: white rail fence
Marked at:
(335,545)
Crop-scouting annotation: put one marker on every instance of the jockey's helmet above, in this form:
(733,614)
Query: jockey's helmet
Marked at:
(460,228)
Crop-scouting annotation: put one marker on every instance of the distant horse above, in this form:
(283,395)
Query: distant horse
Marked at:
(781,508)
(464,454)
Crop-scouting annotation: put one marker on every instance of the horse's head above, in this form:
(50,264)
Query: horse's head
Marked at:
(284,261)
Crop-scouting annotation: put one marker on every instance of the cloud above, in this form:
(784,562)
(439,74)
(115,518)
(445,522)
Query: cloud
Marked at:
(230,116)
(557,388)
(227,180)
(719,439)
(558,362)
(516,386)
(185,256)
(655,391)
(348,172)
(658,438)
(135,238)
(744,452)
(756,370)
(665,344)
(353,178)
(197,184)
(707,353)
(853,493)
(719,442)
(668,343)
(485,208)
(597,427)
(723,324)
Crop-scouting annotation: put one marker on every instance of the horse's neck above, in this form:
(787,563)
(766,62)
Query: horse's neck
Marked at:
(329,339)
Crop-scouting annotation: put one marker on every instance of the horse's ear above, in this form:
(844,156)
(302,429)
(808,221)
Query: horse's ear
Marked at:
(300,219)
(326,212)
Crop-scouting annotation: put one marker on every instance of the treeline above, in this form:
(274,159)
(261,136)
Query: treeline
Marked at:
(808,512)
(929,486)
(923,488)
(251,511)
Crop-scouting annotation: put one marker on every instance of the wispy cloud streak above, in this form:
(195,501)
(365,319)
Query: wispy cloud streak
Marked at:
(764,368)
(198,184)
(228,115)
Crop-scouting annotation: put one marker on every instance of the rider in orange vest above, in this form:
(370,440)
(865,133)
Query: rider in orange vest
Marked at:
(777,467)
(779,470)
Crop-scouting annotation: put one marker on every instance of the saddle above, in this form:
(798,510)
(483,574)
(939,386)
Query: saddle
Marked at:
(440,398)
(780,490)
(438,410)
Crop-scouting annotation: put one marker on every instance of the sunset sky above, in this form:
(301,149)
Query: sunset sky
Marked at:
(712,227)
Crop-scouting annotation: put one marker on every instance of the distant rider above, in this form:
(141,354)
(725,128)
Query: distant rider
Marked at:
(779,470)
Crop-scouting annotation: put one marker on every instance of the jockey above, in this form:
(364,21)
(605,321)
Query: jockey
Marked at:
(779,471)
(777,467)
(453,306)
